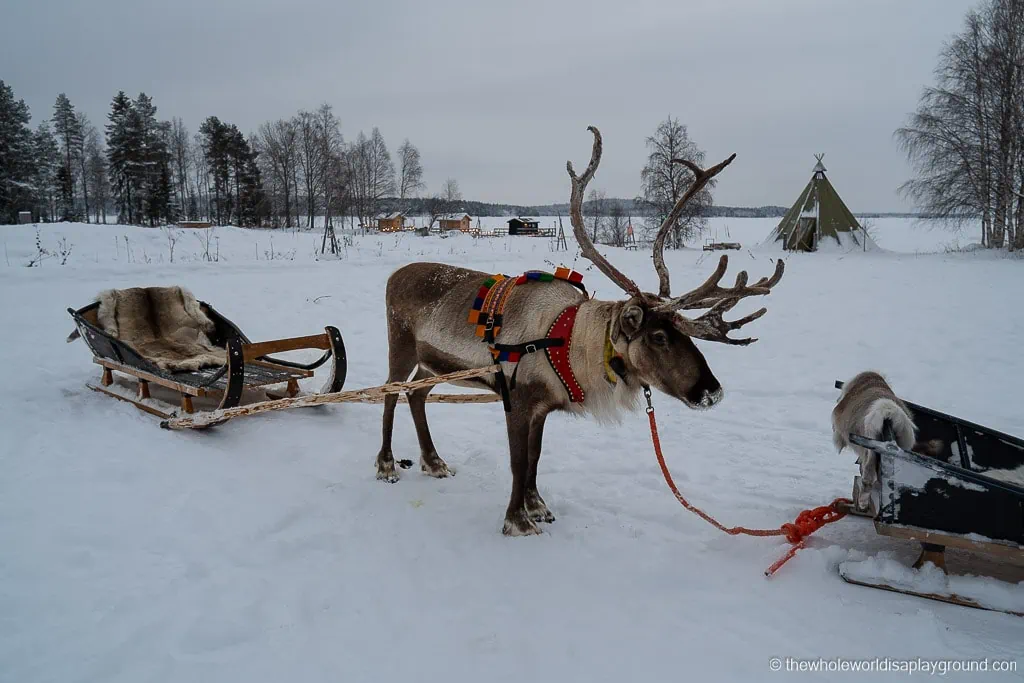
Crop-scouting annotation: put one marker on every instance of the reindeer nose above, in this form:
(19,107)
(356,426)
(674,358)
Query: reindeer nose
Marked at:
(710,398)
(705,396)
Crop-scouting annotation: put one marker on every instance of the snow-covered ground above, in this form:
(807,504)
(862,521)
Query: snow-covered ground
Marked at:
(266,550)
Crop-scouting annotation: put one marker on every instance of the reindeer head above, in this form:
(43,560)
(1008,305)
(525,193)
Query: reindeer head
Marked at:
(656,340)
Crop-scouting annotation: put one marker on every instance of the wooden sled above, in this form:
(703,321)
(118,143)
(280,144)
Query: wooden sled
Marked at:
(954,500)
(249,366)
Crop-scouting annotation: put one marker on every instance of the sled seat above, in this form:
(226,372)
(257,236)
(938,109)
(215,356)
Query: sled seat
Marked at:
(164,337)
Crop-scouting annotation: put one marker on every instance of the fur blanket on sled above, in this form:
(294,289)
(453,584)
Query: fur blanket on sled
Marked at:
(164,324)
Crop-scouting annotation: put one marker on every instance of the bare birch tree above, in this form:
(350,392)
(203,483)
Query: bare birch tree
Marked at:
(964,140)
(615,228)
(88,137)
(665,181)
(180,150)
(333,172)
(593,213)
(311,162)
(202,177)
(96,175)
(410,170)
(277,143)
(372,173)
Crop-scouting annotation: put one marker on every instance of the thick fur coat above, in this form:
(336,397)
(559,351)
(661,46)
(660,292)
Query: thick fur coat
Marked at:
(866,403)
(165,325)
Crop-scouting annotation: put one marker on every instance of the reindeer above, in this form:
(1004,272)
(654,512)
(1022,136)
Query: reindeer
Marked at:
(649,343)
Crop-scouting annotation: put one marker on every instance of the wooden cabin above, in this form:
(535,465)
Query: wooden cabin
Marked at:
(392,222)
(523,226)
(24,217)
(455,221)
(194,225)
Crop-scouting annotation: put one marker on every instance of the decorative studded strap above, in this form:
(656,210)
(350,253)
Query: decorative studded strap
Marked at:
(558,356)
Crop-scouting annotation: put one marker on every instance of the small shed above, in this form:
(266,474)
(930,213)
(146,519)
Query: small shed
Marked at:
(24,217)
(523,226)
(456,221)
(392,222)
(195,225)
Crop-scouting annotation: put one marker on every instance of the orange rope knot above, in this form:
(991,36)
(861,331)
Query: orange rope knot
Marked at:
(809,521)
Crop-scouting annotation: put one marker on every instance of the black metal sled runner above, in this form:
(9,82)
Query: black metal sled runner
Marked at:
(968,497)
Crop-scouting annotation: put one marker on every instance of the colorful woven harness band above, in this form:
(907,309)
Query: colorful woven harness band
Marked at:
(487,316)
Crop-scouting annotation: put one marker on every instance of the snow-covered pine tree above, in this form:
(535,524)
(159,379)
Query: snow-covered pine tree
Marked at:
(159,203)
(146,157)
(46,164)
(69,138)
(239,155)
(119,155)
(215,135)
(16,154)
(252,200)
(96,174)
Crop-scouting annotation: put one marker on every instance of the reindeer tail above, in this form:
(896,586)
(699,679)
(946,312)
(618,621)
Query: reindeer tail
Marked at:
(884,411)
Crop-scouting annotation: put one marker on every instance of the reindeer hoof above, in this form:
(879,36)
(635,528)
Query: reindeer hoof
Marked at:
(520,525)
(436,467)
(544,515)
(537,510)
(386,471)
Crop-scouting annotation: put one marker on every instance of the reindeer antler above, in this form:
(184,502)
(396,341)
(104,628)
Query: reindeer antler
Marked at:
(587,248)
(718,300)
(700,179)
(712,326)
(710,293)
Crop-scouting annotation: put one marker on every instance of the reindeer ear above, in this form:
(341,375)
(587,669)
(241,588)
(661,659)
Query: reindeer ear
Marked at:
(631,319)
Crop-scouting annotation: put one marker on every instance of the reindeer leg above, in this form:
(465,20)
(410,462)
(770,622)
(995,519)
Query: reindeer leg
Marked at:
(517,521)
(385,458)
(430,462)
(536,508)
(401,364)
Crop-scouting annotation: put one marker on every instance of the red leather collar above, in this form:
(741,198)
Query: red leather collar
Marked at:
(558,356)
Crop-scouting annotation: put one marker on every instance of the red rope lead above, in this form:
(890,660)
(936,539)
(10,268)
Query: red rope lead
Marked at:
(805,524)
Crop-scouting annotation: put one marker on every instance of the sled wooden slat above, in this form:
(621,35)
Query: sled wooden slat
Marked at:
(149,377)
(1000,549)
(216,417)
(138,404)
(296,372)
(313,341)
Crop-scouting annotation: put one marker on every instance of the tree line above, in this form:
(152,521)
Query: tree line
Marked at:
(152,171)
(287,173)
(965,141)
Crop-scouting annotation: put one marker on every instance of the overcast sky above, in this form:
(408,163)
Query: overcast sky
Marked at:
(499,94)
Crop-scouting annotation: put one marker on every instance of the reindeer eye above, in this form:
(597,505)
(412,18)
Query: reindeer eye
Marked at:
(659,337)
